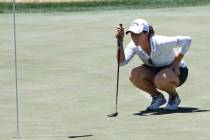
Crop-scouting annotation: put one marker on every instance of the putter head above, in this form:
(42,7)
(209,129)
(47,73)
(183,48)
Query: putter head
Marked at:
(113,114)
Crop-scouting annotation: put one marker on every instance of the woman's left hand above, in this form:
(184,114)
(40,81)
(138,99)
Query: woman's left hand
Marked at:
(175,67)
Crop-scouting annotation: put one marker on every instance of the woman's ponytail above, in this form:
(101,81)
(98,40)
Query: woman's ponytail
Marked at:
(151,32)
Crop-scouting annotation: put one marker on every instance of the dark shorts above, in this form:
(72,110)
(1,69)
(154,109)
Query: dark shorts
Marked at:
(183,72)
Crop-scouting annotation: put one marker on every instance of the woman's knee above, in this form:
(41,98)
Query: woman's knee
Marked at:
(165,79)
(141,73)
(134,74)
(159,82)
(136,79)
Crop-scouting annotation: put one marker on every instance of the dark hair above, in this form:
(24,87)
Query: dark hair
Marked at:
(151,32)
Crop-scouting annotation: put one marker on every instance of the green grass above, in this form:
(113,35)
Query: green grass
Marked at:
(100,5)
(67,77)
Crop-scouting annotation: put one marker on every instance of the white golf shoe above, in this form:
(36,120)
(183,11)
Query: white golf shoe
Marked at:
(157,101)
(173,103)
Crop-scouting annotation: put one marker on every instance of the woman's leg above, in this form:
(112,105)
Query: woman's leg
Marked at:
(167,80)
(142,77)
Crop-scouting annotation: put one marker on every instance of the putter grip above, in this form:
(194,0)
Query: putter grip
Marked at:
(120,39)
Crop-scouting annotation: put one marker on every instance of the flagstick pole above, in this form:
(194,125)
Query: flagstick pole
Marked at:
(16,77)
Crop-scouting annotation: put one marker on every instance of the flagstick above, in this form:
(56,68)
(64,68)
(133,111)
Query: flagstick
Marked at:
(16,78)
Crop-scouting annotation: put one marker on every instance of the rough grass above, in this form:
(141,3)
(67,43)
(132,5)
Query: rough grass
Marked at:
(98,5)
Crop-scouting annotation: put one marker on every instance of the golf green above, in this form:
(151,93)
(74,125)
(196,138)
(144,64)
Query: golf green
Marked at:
(67,77)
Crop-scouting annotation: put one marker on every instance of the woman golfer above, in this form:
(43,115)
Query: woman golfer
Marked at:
(162,68)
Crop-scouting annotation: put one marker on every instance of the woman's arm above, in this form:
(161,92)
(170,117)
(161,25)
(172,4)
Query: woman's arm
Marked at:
(175,65)
(123,56)
(172,42)
(128,54)
(183,42)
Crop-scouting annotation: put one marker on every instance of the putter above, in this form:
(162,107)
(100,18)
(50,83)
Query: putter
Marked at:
(118,70)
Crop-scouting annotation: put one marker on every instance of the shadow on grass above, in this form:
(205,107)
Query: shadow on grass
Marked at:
(161,111)
(73,136)
(79,136)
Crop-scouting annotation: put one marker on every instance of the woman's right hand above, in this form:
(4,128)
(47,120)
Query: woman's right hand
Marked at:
(119,32)
(119,35)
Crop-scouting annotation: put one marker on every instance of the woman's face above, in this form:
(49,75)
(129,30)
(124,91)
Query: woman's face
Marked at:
(139,39)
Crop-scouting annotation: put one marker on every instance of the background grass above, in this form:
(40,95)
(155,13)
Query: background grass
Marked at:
(67,77)
(100,5)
